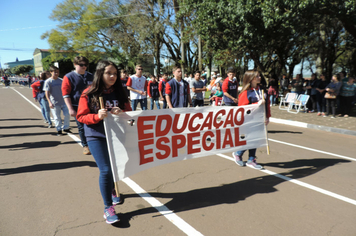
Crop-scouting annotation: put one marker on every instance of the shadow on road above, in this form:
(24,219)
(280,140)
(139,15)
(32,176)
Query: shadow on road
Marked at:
(315,163)
(31,145)
(23,126)
(19,119)
(26,134)
(230,193)
(45,167)
(283,131)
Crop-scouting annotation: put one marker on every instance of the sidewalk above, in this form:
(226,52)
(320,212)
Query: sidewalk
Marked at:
(311,120)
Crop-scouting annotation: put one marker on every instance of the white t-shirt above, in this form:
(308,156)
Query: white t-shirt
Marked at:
(138,83)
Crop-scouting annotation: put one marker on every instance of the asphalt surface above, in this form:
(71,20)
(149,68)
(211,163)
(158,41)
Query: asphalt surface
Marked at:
(48,187)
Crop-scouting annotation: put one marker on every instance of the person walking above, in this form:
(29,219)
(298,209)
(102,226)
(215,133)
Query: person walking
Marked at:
(153,93)
(40,95)
(177,90)
(198,88)
(107,85)
(124,78)
(251,93)
(73,85)
(137,84)
(230,89)
(162,90)
(52,88)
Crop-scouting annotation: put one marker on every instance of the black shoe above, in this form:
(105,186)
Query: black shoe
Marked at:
(59,133)
(67,131)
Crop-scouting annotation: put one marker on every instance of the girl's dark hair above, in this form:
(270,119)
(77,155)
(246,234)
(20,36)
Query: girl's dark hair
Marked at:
(337,76)
(43,75)
(98,86)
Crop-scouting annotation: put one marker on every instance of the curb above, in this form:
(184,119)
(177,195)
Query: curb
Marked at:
(311,126)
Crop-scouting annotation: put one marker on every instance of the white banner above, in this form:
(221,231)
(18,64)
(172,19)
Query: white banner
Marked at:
(140,140)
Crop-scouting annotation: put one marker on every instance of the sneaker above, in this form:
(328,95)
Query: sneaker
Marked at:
(50,126)
(59,133)
(346,116)
(319,114)
(238,159)
(333,117)
(323,113)
(115,199)
(253,164)
(110,215)
(67,131)
(86,150)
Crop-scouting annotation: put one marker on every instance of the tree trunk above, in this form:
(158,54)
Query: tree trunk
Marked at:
(199,54)
(320,65)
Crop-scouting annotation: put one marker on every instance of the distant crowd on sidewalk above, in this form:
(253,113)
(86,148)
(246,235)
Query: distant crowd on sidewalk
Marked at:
(335,96)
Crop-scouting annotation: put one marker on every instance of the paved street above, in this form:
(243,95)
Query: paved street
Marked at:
(48,187)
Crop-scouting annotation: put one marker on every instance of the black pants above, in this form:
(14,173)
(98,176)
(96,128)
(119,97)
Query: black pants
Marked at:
(346,105)
(199,103)
(331,104)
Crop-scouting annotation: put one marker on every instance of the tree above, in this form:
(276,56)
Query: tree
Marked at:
(268,32)
(21,69)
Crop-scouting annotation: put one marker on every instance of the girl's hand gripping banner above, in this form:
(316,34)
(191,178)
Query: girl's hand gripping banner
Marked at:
(140,140)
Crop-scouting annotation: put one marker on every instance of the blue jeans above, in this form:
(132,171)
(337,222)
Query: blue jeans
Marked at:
(56,113)
(99,150)
(46,112)
(83,139)
(156,100)
(272,99)
(251,154)
(143,104)
(164,104)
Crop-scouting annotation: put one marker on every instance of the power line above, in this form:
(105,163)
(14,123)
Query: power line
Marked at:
(16,49)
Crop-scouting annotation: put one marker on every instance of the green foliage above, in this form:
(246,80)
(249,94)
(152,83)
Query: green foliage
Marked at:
(65,65)
(21,69)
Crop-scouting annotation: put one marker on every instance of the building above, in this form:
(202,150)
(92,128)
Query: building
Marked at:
(20,63)
(38,55)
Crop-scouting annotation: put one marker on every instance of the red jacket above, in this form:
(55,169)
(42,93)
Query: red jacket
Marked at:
(35,88)
(86,116)
(250,97)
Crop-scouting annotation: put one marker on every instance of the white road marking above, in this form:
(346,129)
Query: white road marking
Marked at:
(312,149)
(172,217)
(39,109)
(300,183)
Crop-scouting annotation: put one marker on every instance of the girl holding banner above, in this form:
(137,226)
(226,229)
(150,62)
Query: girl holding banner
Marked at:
(107,86)
(251,93)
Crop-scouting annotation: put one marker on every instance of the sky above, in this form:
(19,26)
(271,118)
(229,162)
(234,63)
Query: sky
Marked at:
(22,22)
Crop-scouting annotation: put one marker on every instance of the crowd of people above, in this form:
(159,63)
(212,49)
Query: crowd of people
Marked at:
(335,97)
(79,95)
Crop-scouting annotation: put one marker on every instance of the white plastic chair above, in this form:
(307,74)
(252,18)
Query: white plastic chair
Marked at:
(285,101)
(300,102)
